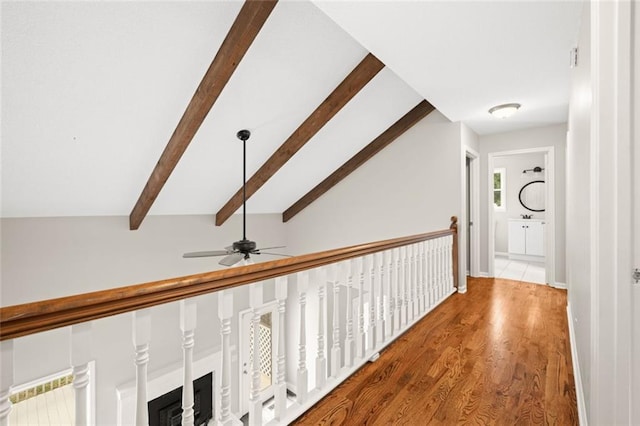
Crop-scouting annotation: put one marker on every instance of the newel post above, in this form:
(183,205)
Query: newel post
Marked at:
(454,249)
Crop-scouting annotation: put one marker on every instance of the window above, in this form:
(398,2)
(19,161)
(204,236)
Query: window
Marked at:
(499,189)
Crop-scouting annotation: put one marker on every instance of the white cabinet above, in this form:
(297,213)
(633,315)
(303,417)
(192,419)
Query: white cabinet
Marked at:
(526,237)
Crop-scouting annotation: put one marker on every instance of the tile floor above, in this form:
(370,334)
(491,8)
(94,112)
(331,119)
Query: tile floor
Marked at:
(519,270)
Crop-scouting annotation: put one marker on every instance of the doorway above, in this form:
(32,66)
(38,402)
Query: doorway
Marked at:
(510,175)
(267,356)
(468,226)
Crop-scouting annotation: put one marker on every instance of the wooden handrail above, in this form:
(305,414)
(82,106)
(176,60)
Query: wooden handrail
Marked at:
(30,318)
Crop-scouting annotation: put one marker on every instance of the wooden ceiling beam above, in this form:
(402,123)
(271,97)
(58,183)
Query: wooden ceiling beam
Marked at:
(392,133)
(245,28)
(350,86)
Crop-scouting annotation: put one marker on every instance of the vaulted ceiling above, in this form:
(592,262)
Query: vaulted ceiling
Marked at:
(93,91)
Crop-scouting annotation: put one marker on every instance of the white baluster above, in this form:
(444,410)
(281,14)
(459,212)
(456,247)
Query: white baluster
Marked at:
(421,277)
(430,273)
(440,269)
(6,380)
(388,293)
(449,255)
(382,271)
(302,382)
(321,360)
(415,280)
(255,402)
(187,327)
(370,270)
(444,267)
(280,389)
(141,339)
(81,355)
(349,343)
(436,271)
(396,290)
(403,285)
(409,283)
(225,312)
(336,353)
(361,342)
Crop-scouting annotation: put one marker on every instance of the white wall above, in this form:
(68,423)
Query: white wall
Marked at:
(410,187)
(529,138)
(514,179)
(579,208)
(53,257)
(600,145)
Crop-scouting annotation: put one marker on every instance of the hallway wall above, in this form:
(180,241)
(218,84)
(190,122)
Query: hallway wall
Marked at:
(530,138)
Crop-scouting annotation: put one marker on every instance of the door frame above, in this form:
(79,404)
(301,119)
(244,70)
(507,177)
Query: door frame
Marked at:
(550,210)
(474,211)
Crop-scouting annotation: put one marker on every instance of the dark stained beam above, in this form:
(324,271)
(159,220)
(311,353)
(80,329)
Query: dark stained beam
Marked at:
(350,86)
(252,16)
(392,133)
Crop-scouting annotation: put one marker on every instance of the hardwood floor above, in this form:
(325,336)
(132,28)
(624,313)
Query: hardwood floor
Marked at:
(499,354)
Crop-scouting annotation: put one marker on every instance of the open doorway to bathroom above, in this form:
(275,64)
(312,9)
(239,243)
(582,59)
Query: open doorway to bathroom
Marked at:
(521,215)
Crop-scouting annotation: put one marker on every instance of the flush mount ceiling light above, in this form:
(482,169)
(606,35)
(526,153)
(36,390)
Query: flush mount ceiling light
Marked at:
(504,110)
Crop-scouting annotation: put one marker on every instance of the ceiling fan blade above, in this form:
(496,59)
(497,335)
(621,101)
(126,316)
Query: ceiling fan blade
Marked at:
(269,248)
(274,254)
(232,259)
(207,253)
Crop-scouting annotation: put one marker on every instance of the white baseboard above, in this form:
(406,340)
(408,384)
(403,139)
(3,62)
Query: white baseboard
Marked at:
(483,274)
(501,254)
(558,284)
(582,410)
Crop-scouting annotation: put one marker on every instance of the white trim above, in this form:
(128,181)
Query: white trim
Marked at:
(550,209)
(558,284)
(474,194)
(577,378)
(483,274)
(501,254)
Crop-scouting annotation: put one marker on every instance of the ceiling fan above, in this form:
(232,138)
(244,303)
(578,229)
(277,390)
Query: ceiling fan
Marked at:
(243,248)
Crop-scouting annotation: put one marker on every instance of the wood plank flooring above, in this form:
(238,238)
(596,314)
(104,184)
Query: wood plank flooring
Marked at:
(499,354)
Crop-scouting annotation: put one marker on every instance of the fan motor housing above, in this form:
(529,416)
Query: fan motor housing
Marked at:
(244,246)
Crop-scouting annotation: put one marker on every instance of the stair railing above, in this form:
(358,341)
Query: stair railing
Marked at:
(362,297)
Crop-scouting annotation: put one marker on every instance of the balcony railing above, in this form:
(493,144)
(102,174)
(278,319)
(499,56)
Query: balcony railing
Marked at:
(330,313)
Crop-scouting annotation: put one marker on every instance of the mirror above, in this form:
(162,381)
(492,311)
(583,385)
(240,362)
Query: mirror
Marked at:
(531,196)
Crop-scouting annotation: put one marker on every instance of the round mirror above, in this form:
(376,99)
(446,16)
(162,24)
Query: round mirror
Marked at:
(532,196)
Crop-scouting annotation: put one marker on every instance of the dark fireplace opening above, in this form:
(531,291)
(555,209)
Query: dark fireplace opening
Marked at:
(166,410)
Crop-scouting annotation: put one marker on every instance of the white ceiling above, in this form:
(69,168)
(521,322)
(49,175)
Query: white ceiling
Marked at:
(467,56)
(91,91)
